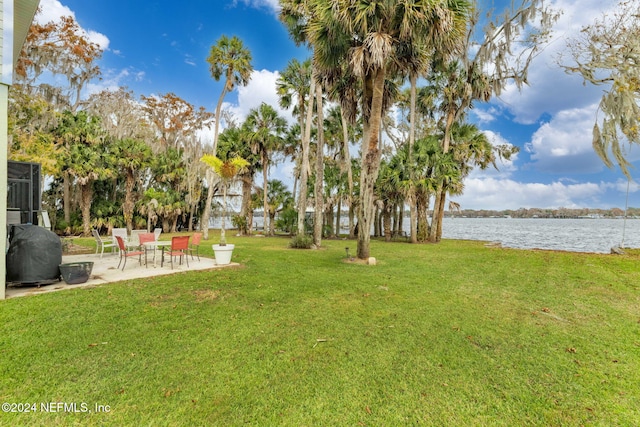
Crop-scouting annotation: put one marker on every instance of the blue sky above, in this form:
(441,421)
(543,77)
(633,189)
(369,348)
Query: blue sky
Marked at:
(155,47)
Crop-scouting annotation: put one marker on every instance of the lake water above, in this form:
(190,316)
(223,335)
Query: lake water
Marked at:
(576,235)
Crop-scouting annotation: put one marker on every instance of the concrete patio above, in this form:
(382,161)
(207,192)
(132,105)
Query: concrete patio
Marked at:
(105,271)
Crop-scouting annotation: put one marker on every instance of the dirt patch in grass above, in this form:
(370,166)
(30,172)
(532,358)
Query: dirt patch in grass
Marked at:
(207,294)
(355,261)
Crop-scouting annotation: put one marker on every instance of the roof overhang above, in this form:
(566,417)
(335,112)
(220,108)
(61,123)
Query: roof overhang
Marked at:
(17,16)
(23,15)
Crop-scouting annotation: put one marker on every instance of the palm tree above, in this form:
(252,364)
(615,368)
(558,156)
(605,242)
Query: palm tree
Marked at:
(230,58)
(265,132)
(278,196)
(296,80)
(167,178)
(317,190)
(227,171)
(132,157)
(83,157)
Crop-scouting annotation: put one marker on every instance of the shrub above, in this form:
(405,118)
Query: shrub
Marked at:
(301,242)
(240,222)
(287,220)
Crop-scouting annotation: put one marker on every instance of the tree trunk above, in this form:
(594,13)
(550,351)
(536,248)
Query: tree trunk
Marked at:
(328,215)
(318,187)
(272,223)
(352,222)
(204,223)
(443,198)
(435,216)
(413,212)
(246,205)
(304,168)
(223,219)
(386,222)
(192,212)
(347,164)
(127,206)
(174,223)
(370,167)
(422,204)
(338,217)
(86,193)
(218,111)
(265,188)
(441,192)
(250,221)
(66,198)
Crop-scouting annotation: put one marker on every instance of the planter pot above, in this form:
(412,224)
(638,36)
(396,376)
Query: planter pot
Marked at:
(76,272)
(223,253)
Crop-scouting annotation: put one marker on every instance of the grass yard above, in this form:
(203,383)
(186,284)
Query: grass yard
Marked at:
(455,334)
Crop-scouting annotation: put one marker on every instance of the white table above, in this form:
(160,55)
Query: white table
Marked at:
(155,245)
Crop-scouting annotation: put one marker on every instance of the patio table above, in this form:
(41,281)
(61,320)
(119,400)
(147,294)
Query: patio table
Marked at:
(155,245)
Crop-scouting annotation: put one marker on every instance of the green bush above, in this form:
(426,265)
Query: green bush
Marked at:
(240,222)
(301,242)
(287,220)
(61,225)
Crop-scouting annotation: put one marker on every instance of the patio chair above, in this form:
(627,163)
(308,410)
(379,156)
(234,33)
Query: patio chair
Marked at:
(125,253)
(195,245)
(102,243)
(179,248)
(122,232)
(134,237)
(157,232)
(144,238)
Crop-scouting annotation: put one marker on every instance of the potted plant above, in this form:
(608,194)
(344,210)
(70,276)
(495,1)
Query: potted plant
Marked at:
(227,171)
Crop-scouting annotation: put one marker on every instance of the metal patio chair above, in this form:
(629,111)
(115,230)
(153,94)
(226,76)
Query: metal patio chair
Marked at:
(102,243)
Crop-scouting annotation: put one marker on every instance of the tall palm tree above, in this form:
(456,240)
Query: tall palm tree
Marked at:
(168,173)
(318,218)
(228,58)
(132,157)
(296,82)
(265,132)
(231,59)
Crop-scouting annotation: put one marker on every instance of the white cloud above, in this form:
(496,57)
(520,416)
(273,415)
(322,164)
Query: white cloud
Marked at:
(99,39)
(259,4)
(492,193)
(112,80)
(53,10)
(261,88)
(485,115)
(564,144)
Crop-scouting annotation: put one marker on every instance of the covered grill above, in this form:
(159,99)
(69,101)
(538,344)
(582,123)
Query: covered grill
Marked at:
(34,255)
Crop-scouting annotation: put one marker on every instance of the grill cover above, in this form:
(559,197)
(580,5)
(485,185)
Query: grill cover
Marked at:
(34,254)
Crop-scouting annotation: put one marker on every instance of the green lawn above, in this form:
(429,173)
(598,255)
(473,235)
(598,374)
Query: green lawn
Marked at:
(454,334)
